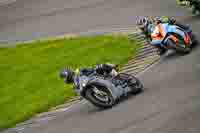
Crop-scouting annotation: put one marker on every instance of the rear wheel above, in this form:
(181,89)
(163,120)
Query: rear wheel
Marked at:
(134,83)
(100,96)
(194,40)
(181,48)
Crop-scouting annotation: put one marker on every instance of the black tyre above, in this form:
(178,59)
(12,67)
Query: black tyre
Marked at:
(194,41)
(179,48)
(134,83)
(105,100)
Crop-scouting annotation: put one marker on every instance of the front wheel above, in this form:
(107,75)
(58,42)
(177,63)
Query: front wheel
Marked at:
(100,96)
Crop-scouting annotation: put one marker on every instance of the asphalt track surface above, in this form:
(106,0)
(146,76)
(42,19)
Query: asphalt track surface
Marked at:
(31,19)
(171,100)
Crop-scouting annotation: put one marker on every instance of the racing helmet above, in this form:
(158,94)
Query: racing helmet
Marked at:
(142,22)
(67,74)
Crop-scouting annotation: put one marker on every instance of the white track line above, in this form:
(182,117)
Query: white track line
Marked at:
(72,107)
(69,108)
(5,2)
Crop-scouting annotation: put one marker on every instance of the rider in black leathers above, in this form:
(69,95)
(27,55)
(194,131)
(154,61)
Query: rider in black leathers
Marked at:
(102,69)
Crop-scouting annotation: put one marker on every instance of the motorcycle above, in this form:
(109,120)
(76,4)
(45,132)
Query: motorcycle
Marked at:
(194,5)
(104,90)
(177,38)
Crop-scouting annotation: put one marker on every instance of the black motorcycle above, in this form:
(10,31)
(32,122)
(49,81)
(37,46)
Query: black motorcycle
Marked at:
(102,90)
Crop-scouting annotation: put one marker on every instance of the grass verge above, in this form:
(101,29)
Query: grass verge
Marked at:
(29,81)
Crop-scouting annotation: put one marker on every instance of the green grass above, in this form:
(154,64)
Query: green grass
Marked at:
(29,81)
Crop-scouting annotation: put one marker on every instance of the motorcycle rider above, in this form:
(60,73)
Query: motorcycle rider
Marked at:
(153,30)
(102,69)
(106,69)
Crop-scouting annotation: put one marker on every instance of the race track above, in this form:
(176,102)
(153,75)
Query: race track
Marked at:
(171,100)
(31,19)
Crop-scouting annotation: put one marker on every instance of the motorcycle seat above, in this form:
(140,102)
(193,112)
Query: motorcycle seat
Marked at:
(86,71)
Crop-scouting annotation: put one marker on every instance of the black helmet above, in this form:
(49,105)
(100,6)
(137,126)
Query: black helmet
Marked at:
(67,74)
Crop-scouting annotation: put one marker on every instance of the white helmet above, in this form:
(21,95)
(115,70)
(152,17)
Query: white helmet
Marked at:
(142,22)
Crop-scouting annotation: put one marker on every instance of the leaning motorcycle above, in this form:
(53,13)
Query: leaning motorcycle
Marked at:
(103,91)
(177,38)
